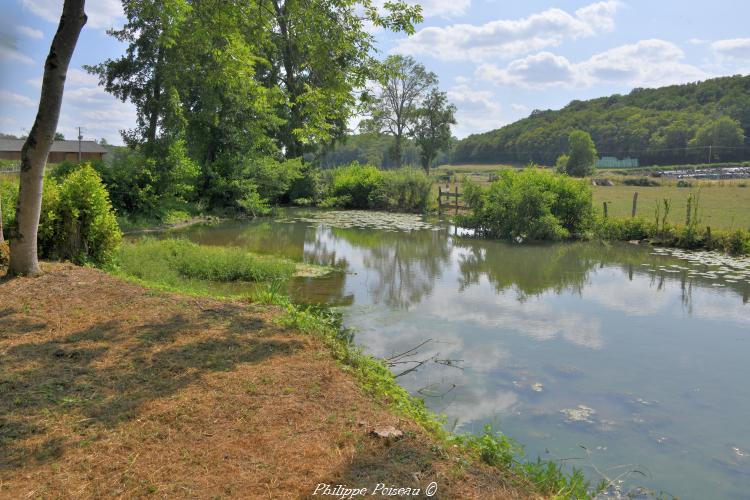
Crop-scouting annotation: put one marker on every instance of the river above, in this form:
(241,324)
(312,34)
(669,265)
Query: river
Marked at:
(626,361)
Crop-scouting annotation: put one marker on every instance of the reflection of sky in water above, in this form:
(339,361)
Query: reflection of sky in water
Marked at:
(660,358)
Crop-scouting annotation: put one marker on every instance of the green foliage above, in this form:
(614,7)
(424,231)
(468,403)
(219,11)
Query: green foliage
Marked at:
(641,181)
(364,186)
(722,136)
(354,186)
(582,154)
(395,110)
(653,125)
(9,195)
(432,126)
(404,190)
(532,204)
(622,229)
(77,221)
(175,263)
(548,477)
(561,164)
(370,149)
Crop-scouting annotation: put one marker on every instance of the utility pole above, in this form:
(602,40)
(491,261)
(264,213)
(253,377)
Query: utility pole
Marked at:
(80,138)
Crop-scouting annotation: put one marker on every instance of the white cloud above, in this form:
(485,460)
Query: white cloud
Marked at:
(477,110)
(10,53)
(506,38)
(8,98)
(101,14)
(647,63)
(736,48)
(444,8)
(30,32)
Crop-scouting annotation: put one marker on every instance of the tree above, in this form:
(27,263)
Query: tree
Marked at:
(432,127)
(582,154)
(23,248)
(720,137)
(319,54)
(404,83)
(59,136)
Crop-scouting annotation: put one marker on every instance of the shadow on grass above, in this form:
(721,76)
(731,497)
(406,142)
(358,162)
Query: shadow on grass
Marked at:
(103,375)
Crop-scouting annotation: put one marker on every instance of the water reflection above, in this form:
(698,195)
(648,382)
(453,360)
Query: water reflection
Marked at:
(405,268)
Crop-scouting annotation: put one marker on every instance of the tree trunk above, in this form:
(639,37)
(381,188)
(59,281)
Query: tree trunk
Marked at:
(23,248)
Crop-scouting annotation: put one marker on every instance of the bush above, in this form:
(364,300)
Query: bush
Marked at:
(684,184)
(641,181)
(532,204)
(9,196)
(404,190)
(353,186)
(622,229)
(77,221)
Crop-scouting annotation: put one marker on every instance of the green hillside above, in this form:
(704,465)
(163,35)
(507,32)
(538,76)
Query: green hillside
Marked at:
(669,125)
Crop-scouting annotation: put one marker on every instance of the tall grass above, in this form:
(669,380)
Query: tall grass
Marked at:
(182,265)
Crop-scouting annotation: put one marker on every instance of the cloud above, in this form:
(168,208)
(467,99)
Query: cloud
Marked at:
(102,14)
(735,48)
(476,109)
(30,32)
(647,63)
(444,8)
(507,38)
(9,52)
(87,105)
(12,99)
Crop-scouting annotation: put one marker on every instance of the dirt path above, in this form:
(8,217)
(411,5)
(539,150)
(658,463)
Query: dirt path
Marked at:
(111,390)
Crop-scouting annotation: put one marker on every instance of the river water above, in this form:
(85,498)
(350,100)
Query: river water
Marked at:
(625,361)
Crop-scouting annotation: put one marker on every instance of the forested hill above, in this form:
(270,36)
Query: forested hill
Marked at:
(669,125)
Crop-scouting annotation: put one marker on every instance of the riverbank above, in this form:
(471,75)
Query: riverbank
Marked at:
(112,389)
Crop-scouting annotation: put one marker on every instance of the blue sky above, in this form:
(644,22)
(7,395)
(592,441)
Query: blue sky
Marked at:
(497,60)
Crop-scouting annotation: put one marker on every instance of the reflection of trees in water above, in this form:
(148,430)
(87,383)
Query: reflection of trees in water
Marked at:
(530,269)
(406,264)
(535,269)
(327,290)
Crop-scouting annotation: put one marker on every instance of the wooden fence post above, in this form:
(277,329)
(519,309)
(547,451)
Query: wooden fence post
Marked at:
(456,199)
(604,203)
(635,204)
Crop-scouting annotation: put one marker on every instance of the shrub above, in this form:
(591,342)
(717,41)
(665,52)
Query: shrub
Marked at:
(353,186)
(77,221)
(622,229)
(641,181)
(406,190)
(532,204)
(684,184)
(9,196)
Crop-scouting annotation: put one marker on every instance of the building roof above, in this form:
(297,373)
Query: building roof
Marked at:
(15,145)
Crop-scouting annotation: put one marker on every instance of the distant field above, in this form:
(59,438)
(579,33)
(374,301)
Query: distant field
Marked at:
(722,206)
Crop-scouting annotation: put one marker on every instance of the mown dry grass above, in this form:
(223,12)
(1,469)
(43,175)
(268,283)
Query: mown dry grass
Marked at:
(108,389)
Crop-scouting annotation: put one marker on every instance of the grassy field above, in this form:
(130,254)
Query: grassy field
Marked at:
(721,206)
